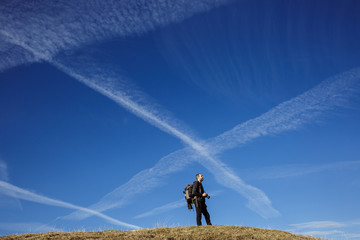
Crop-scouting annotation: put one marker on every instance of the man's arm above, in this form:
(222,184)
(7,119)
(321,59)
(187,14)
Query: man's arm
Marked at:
(203,191)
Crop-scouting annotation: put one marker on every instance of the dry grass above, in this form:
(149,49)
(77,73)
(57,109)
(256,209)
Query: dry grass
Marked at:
(195,233)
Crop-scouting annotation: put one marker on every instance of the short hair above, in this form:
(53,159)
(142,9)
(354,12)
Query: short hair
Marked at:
(197,175)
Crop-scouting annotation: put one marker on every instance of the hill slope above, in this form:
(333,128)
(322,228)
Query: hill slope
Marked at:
(204,232)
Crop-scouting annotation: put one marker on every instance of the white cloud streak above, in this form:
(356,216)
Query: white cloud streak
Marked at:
(19,193)
(51,27)
(326,234)
(7,202)
(353,235)
(12,55)
(318,224)
(332,93)
(296,170)
(331,234)
(330,229)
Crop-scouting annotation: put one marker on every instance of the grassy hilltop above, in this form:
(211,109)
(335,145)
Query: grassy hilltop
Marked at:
(204,232)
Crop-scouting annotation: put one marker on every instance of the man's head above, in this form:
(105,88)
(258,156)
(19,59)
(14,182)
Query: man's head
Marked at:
(199,177)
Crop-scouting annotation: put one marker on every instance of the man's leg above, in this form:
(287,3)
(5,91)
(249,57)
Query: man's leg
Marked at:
(198,215)
(206,214)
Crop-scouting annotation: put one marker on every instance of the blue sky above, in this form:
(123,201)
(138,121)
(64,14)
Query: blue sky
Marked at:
(109,109)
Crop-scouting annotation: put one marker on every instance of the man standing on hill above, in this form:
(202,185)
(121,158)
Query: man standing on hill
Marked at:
(199,195)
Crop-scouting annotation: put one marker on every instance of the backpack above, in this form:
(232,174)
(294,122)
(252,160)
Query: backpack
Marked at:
(188,196)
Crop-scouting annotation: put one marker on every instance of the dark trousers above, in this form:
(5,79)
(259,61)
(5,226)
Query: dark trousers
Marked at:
(201,208)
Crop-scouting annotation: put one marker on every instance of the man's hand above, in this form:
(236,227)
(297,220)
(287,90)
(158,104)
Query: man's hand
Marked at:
(204,194)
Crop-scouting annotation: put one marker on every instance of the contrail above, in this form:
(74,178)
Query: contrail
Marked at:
(295,170)
(215,166)
(334,92)
(19,193)
(318,224)
(52,27)
(12,55)
(105,84)
(294,113)
(144,181)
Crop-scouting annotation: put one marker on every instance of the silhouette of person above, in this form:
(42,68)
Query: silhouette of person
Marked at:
(199,195)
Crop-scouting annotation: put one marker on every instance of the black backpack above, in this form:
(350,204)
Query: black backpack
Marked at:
(188,196)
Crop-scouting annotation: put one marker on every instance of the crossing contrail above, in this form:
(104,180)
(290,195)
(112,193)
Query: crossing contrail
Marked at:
(105,83)
(330,94)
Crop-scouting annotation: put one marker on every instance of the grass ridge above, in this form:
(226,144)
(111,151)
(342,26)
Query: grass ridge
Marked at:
(171,233)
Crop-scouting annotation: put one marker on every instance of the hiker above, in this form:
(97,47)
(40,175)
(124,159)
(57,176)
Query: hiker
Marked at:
(199,197)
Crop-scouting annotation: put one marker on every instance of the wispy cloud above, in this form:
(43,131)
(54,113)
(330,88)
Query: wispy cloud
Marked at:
(12,55)
(329,229)
(27,227)
(332,93)
(332,234)
(7,202)
(318,224)
(50,28)
(19,193)
(296,170)
(326,234)
(353,235)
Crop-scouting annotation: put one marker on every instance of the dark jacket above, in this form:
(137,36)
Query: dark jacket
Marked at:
(197,189)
